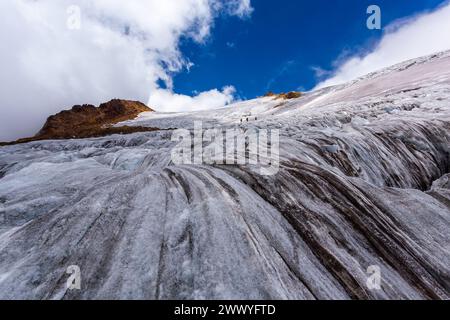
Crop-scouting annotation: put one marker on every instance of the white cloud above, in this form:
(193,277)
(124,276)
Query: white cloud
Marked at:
(240,8)
(122,50)
(319,72)
(403,40)
(167,101)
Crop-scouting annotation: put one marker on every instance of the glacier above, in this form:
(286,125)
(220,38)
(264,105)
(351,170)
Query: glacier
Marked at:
(363,181)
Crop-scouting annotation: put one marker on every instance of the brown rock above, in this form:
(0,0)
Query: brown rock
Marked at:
(285,96)
(292,95)
(269,94)
(85,121)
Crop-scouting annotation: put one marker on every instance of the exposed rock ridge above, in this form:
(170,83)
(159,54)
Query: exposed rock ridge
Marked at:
(86,121)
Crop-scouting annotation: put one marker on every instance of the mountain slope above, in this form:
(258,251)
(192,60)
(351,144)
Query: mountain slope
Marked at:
(363,181)
(87,121)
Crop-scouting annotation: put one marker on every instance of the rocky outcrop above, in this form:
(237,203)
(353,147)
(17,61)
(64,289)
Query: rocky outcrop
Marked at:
(285,96)
(87,121)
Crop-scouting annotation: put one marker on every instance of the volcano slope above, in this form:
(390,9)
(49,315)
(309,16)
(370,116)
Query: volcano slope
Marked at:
(363,181)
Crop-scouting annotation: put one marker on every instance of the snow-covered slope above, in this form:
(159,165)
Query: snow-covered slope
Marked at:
(363,181)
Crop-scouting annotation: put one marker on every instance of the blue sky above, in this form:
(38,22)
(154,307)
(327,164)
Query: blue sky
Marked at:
(280,44)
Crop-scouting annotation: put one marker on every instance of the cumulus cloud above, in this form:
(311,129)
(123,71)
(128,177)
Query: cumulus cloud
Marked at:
(167,101)
(405,39)
(122,49)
